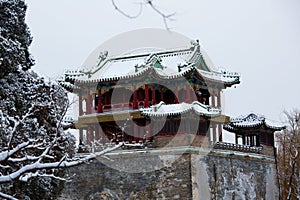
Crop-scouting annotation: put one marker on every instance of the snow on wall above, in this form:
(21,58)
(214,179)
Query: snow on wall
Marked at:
(200,178)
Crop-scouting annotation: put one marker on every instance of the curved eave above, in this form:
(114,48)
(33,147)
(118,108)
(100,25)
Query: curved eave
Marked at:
(116,78)
(275,127)
(207,76)
(236,128)
(167,114)
(241,125)
(147,71)
(229,128)
(210,112)
(153,72)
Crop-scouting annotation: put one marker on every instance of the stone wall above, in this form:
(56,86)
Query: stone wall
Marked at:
(226,175)
(181,140)
(178,173)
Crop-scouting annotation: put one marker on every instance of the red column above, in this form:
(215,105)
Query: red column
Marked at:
(188,94)
(146,102)
(162,95)
(80,105)
(100,107)
(194,94)
(153,96)
(88,103)
(135,103)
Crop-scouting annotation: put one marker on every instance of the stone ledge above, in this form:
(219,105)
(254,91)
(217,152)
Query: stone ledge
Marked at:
(187,150)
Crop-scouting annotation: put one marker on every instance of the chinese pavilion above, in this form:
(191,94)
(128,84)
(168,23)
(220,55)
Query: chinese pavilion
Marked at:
(165,97)
(254,131)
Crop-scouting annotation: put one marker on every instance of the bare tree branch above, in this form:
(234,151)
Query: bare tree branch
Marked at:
(125,13)
(288,157)
(165,17)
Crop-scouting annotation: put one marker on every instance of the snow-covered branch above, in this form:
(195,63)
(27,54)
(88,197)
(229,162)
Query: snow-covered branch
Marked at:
(17,123)
(7,154)
(34,167)
(30,175)
(6,196)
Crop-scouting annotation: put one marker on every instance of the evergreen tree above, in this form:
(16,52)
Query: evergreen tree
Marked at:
(34,148)
(31,112)
(14,37)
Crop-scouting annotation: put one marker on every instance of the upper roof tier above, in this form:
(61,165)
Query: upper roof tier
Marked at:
(252,121)
(162,64)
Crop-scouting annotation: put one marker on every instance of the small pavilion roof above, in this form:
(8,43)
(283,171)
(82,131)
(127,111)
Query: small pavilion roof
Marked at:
(162,64)
(162,109)
(252,121)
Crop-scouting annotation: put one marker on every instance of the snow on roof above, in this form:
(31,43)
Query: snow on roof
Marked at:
(250,121)
(164,63)
(135,64)
(226,77)
(118,68)
(162,109)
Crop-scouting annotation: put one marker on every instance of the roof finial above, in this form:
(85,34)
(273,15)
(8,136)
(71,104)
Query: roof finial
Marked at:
(102,56)
(195,43)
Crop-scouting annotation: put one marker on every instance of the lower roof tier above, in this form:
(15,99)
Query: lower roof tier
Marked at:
(196,107)
(160,110)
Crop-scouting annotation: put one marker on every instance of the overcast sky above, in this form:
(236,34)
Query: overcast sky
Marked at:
(259,39)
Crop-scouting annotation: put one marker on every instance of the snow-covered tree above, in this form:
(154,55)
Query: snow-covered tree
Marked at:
(14,37)
(288,157)
(31,134)
(33,144)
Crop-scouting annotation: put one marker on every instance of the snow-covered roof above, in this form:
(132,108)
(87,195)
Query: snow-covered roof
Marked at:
(164,64)
(162,109)
(252,121)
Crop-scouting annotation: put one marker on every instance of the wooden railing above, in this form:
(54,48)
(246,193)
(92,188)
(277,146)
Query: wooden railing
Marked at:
(123,106)
(237,147)
(119,106)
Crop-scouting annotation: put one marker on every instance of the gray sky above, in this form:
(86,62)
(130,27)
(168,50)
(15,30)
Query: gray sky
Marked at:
(259,39)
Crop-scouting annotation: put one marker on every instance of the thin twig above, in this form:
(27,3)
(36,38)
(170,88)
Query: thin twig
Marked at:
(163,15)
(125,13)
